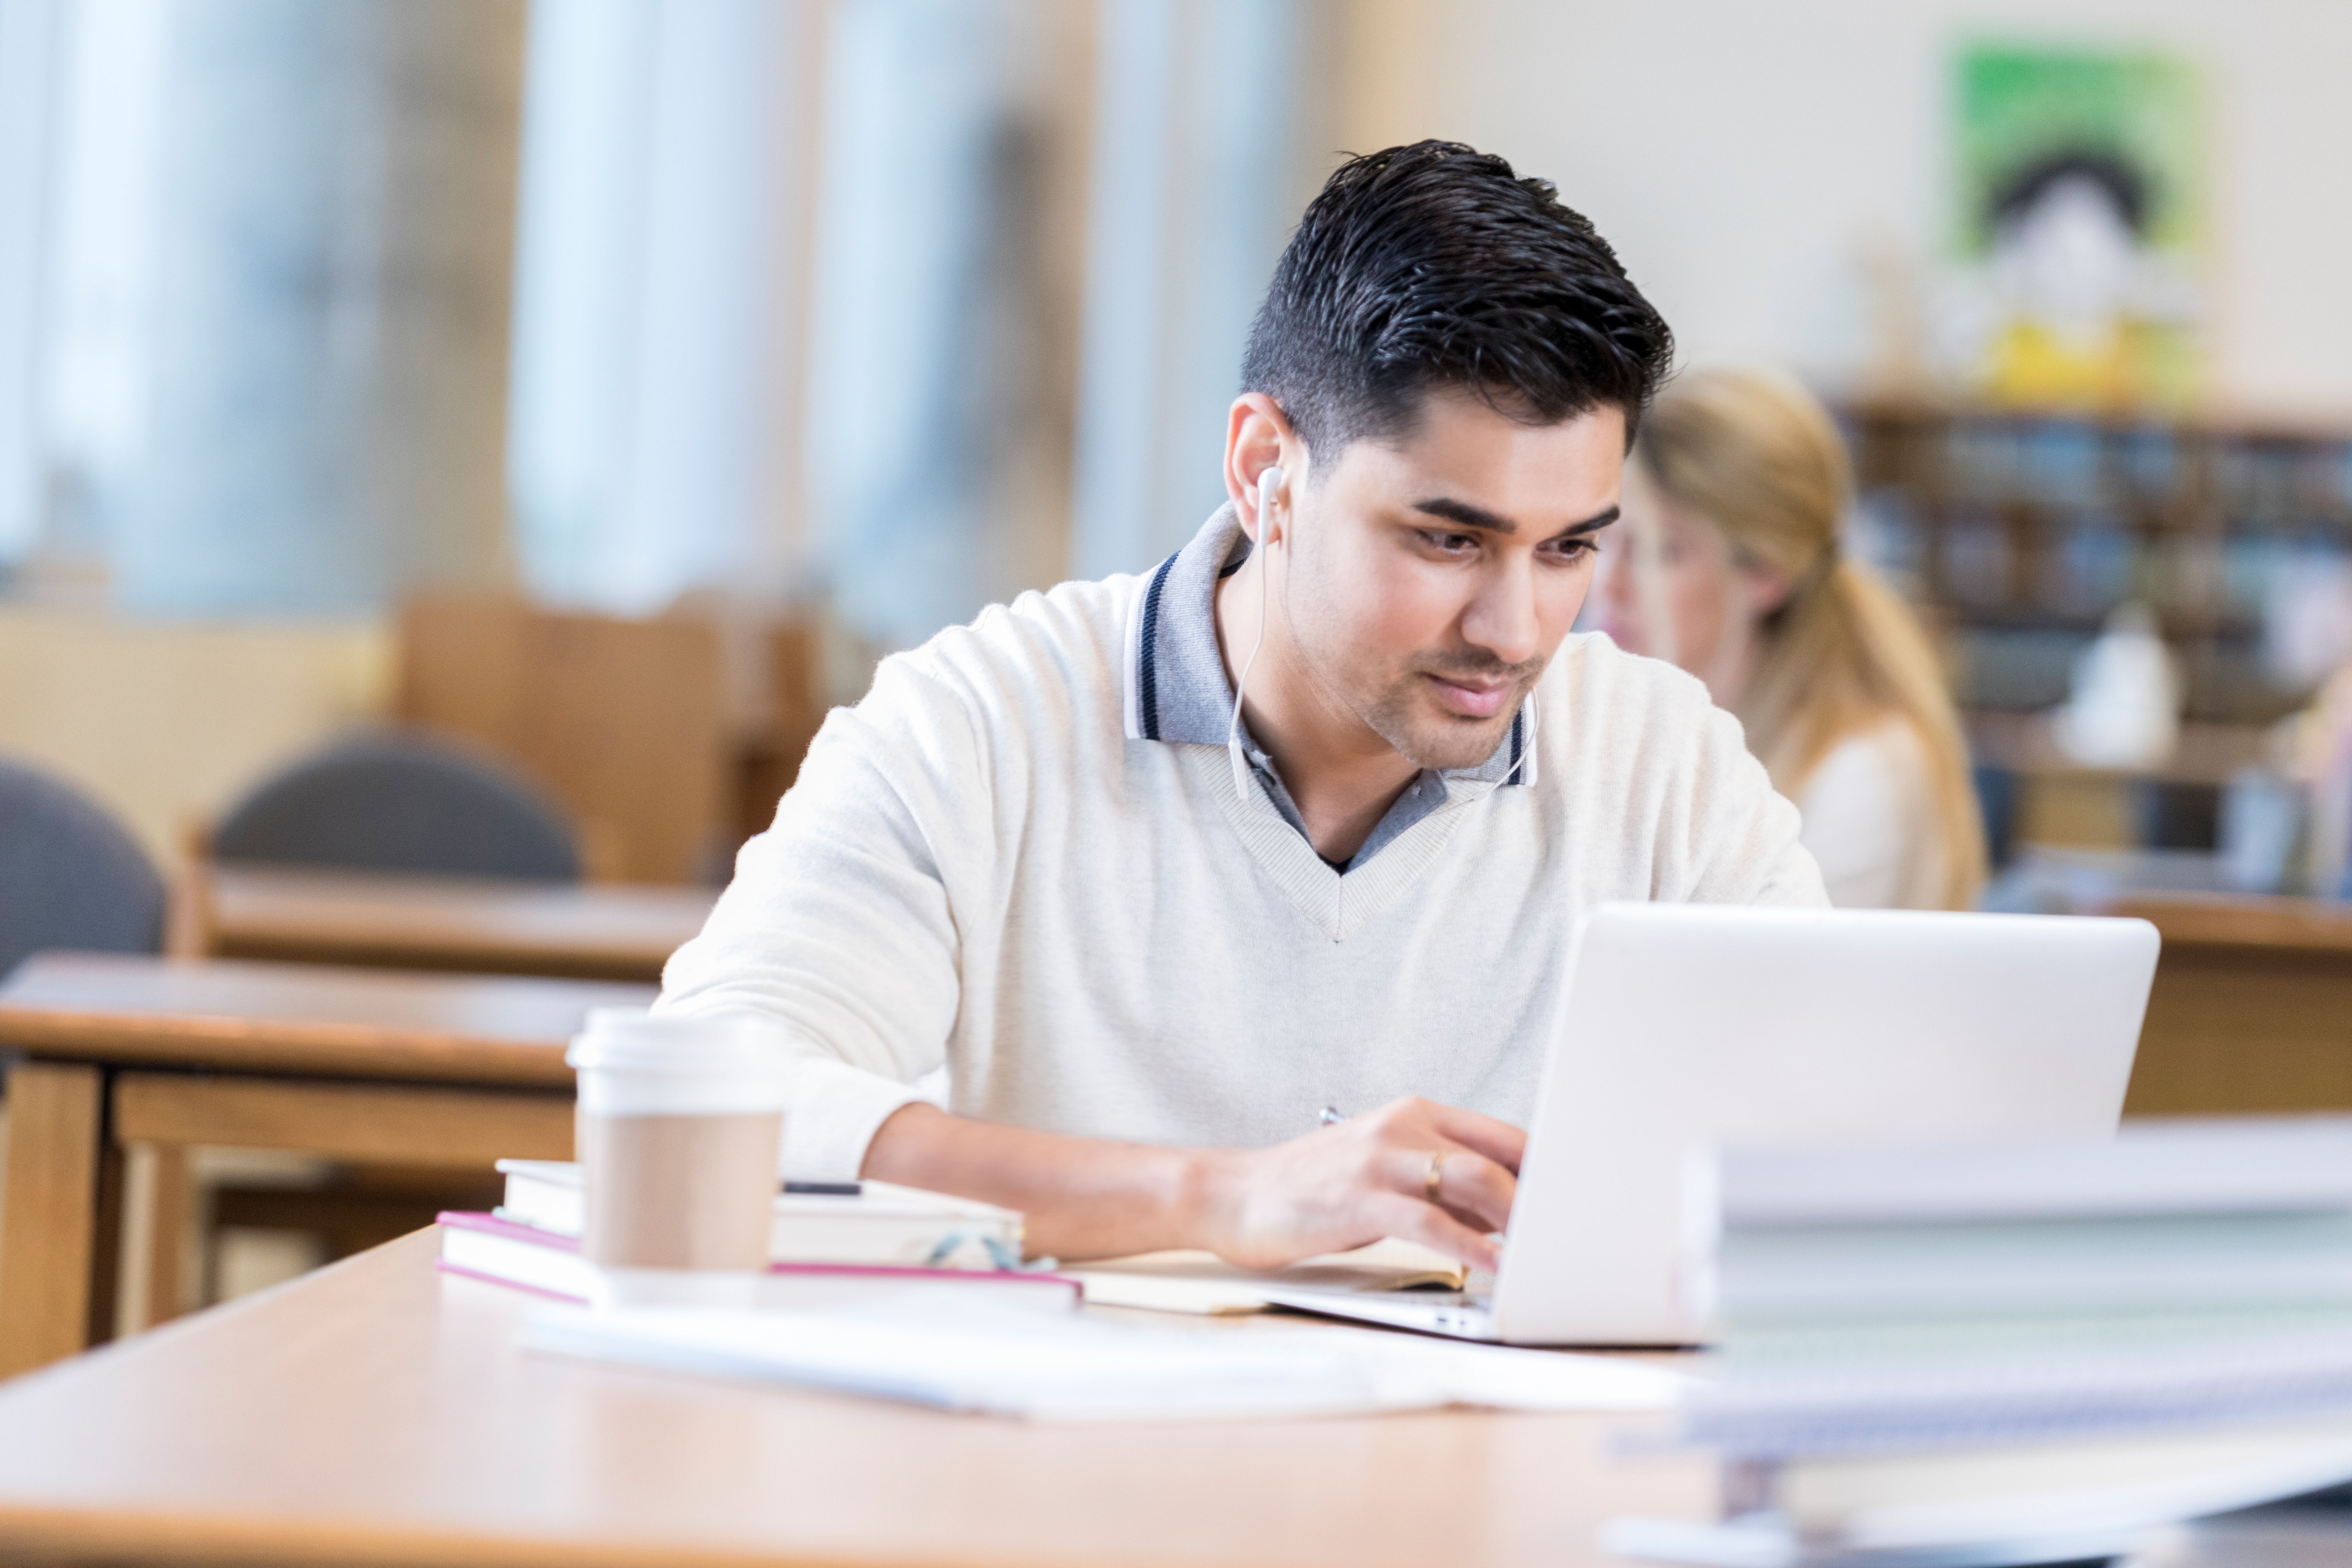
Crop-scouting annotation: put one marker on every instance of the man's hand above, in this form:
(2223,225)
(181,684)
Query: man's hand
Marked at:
(1360,1180)
(1350,1184)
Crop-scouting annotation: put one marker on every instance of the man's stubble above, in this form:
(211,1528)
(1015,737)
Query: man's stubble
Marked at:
(1394,702)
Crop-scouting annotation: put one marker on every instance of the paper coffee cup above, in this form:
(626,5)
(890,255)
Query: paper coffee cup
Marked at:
(681,1122)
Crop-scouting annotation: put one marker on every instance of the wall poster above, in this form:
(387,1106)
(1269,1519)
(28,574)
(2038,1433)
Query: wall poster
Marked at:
(2080,227)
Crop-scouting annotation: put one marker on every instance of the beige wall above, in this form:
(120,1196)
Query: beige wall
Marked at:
(1744,159)
(166,724)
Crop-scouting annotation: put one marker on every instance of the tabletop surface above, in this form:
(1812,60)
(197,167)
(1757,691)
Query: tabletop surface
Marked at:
(240,1015)
(266,911)
(378,1410)
(2243,920)
(2186,895)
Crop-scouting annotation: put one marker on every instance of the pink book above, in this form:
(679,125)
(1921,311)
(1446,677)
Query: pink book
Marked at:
(484,1247)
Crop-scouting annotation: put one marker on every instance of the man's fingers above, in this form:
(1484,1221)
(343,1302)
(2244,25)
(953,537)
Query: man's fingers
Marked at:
(1476,1189)
(1413,1169)
(1468,1183)
(1411,1220)
(1499,1141)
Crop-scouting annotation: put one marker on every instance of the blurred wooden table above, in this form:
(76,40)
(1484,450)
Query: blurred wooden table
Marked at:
(587,930)
(377,1412)
(2251,1009)
(348,1064)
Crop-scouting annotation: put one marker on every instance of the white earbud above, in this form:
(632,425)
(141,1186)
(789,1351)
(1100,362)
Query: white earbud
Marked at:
(1270,485)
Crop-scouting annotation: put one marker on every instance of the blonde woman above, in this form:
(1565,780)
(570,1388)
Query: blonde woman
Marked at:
(1732,507)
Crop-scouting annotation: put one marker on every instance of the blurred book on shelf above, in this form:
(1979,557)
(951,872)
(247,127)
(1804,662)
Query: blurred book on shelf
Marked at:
(2028,1351)
(2049,550)
(2022,533)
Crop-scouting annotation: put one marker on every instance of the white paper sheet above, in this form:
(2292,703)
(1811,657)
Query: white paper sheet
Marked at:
(1027,1366)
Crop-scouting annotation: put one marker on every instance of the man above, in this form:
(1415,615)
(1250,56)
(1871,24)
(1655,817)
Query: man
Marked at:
(1029,855)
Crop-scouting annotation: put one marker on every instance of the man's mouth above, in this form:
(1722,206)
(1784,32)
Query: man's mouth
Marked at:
(1472,699)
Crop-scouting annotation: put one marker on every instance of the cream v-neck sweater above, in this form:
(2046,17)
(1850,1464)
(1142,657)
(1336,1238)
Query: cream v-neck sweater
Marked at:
(1102,936)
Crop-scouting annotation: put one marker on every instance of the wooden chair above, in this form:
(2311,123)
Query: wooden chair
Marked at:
(623,721)
(769,759)
(388,800)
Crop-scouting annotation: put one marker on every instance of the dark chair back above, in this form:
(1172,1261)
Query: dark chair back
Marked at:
(402,801)
(69,875)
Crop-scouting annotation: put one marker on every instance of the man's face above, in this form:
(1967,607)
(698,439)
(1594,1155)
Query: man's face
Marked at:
(1430,580)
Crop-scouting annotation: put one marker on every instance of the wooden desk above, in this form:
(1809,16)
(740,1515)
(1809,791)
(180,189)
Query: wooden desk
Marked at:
(375,1411)
(587,930)
(348,1064)
(2251,1009)
(2244,923)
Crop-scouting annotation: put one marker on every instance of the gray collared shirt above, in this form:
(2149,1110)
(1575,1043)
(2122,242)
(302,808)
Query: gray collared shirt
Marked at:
(1177,689)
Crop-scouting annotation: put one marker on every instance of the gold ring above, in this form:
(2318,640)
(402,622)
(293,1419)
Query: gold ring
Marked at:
(1436,1174)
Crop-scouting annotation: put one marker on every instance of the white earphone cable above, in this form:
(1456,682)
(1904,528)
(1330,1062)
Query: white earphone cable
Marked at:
(1526,747)
(1267,483)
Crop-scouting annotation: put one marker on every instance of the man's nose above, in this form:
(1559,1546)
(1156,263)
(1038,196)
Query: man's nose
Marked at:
(1502,619)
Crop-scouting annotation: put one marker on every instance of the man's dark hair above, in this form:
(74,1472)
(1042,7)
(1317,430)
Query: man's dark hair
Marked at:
(1434,267)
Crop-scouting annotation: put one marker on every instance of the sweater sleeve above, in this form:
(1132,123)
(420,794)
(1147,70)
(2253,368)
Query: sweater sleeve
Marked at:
(838,924)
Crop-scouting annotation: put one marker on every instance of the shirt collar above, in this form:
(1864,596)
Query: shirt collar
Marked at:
(1177,691)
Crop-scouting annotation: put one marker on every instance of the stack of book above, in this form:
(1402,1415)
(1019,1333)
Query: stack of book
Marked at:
(2018,1352)
(828,1243)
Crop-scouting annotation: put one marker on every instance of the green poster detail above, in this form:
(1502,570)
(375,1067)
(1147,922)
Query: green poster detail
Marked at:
(2080,204)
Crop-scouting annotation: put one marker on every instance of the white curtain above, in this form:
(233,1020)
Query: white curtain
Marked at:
(926,357)
(657,280)
(277,299)
(32,56)
(1193,193)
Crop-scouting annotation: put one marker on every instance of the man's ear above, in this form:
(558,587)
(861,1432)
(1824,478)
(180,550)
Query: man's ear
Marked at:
(1258,436)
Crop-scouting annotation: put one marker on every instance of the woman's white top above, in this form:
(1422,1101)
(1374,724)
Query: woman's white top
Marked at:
(1870,821)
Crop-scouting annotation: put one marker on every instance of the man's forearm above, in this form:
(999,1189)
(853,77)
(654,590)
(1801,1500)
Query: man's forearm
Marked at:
(1425,1173)
(1084,1197)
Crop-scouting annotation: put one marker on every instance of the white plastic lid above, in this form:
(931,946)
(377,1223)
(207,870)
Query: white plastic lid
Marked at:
(632,1063)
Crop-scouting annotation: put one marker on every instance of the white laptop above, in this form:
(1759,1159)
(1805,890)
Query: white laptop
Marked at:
(1686,1026)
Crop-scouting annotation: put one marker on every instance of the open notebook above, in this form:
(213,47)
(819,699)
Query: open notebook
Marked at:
(1201,1282)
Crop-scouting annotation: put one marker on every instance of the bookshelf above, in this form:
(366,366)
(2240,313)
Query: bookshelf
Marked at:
(2018,533)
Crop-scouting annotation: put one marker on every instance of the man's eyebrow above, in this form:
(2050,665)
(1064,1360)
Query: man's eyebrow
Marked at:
(1470,516)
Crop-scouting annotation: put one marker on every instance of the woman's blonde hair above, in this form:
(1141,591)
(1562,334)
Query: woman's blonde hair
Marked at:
(1758,458)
